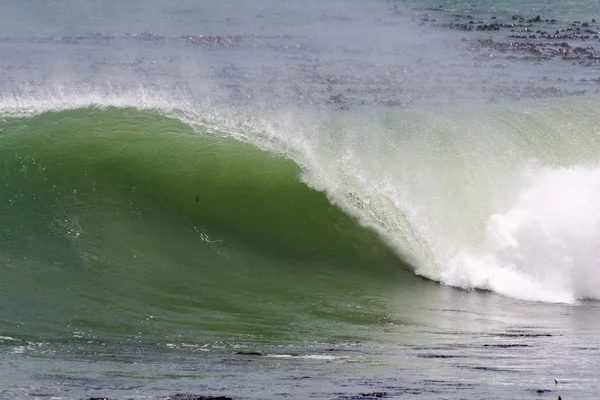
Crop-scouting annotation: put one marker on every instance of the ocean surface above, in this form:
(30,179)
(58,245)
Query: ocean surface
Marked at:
(333,199)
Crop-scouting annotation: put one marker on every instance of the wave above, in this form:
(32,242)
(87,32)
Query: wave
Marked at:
(491,197)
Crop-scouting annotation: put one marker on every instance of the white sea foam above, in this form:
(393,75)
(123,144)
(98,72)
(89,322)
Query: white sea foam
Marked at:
(546,247)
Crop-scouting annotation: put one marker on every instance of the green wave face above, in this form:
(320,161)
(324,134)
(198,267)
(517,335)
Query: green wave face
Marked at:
(118,222)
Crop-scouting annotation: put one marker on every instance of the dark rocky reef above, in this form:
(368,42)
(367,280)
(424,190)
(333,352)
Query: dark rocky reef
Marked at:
(530,38)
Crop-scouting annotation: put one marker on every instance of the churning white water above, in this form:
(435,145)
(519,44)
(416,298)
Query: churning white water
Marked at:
(546,247)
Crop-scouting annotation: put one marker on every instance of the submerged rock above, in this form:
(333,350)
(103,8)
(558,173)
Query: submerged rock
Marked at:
(180,397)
(249,353)
(376,395)
(196,397)
(337,99)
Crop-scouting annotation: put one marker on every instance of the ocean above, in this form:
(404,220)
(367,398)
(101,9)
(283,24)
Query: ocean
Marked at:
(335,199)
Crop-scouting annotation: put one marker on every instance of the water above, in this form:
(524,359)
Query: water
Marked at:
(374,197)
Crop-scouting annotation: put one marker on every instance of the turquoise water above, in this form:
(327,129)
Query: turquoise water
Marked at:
(367,200)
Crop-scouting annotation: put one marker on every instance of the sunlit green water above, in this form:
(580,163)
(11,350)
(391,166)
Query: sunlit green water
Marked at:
(123,222)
